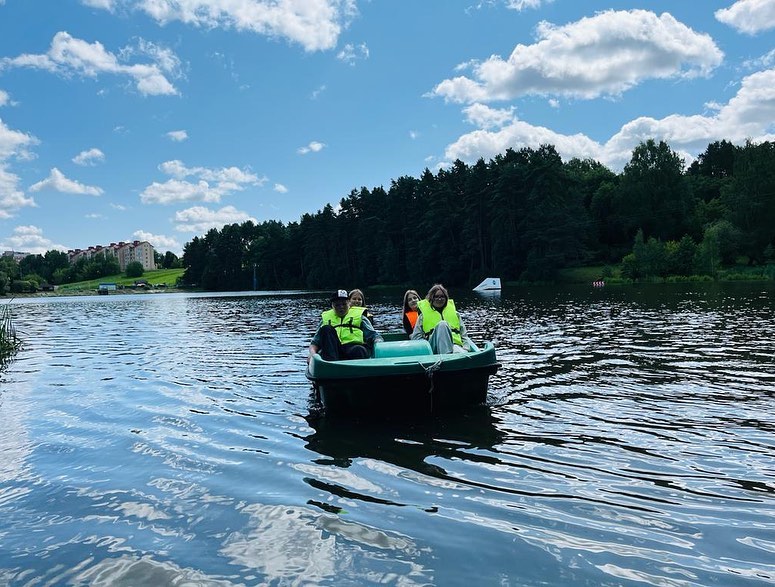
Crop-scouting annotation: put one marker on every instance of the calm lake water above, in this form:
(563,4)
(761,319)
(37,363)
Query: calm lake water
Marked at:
(629,439)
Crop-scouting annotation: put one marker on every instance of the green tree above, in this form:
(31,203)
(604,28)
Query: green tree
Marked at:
(653,194)
(134,269)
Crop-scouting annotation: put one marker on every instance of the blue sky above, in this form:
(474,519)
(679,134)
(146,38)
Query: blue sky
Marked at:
(159,119)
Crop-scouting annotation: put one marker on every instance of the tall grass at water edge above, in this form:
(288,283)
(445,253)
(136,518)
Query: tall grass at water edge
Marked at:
(9,340)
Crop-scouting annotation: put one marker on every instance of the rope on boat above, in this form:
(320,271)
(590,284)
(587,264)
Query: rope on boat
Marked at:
(430,371)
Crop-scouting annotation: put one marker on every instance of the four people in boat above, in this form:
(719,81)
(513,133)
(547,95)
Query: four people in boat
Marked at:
(344,331)
(409,316)
(439,323)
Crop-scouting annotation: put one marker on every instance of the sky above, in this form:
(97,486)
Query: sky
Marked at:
(157,120)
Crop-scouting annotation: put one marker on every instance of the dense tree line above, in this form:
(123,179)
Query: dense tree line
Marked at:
(521,216)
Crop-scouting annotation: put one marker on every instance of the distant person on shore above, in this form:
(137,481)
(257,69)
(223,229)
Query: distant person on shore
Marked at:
(439,323)
(358,300)
(344,332)
(409,318)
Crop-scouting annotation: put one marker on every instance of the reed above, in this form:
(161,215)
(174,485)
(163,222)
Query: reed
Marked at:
(9,340)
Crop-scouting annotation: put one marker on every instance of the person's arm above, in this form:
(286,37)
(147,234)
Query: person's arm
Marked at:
(468,344)
(314,346)
(417,333)
(370,336)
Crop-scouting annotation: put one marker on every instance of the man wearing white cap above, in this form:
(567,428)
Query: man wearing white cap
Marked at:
(344,332)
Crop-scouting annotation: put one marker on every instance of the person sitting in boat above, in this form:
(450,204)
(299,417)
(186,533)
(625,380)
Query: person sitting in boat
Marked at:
(358,300)
(439,323)
(411,298)
(344,332)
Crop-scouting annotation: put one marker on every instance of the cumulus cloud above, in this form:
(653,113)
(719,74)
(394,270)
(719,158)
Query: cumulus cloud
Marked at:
(202,219)
(605,54)
(278,187)
(351,53)
(313,147)
(90,157)
(30,239)
(314,24)
(4,98)
(208,185)
(11,196)
(748,16)
(57,181)
(69,56)
(13,145)
(158,241)
(748,115)
(177,135)
(485,117)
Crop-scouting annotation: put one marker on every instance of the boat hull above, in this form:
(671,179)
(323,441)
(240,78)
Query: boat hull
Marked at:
(404,385)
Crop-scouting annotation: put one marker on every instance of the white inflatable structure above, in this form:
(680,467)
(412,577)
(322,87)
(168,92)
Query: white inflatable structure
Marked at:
(489,284)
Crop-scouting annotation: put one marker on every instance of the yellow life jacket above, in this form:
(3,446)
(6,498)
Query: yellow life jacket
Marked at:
(348,328)
(431,317)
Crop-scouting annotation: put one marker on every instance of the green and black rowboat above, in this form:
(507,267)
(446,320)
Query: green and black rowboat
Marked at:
(405,378)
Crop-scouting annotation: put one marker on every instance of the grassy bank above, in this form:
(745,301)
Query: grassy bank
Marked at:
(612,274)
(167,277)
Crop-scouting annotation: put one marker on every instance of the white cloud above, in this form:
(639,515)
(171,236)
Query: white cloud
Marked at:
(414,135)
(70,56)
(748,16)
(202,219)
(313,147)
(118,207)
(158,241)
(351,53)
(13,145)
(486,117)
(11,197)
(210,185)
(104,4)
(95,216)
(177,135)
(317,92)
(90,157)
(4,98)
(30,239)
(605,54)
(748,115)
(57,181)
(278,187)
(521,5)
(314,24)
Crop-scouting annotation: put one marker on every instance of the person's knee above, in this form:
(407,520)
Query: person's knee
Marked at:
(357,351)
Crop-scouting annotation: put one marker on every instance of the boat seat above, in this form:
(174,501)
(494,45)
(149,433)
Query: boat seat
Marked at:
(402,348)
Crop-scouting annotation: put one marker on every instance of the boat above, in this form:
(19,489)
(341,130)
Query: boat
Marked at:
(403,378)
(489,284)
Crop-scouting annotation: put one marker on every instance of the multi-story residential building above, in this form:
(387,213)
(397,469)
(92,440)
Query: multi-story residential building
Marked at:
(16,255)
(125,253)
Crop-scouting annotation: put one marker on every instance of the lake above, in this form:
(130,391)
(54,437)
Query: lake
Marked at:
(160,439)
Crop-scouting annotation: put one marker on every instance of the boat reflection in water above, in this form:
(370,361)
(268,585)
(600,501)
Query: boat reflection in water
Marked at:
(470,435)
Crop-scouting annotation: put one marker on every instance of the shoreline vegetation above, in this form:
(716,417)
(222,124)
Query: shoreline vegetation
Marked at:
(10,342)
(159,281)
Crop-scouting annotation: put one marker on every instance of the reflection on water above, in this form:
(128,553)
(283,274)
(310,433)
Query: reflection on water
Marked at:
(165,439)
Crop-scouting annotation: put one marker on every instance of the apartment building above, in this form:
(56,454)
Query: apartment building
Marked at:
(125,253)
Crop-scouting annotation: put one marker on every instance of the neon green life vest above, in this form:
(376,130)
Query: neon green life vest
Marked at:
(431,317)
(348,329)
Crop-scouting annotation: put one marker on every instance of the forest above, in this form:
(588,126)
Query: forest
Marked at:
(521,216)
